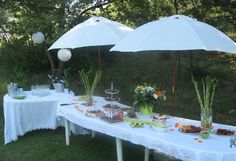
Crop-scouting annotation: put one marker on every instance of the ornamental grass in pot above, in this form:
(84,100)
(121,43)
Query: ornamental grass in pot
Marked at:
(90,80)
(205,99)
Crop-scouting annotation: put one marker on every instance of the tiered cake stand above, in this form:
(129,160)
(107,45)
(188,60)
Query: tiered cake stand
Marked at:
(112,94)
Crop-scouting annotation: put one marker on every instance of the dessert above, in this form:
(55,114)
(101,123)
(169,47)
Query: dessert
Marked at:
(94,113)
(109,106)
(190,129)
(119,115)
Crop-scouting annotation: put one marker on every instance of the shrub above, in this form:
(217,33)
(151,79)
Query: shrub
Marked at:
(16,53)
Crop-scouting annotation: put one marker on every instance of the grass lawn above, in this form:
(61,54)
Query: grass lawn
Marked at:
(126,71)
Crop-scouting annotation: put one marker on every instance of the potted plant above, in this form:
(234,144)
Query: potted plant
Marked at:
(90,80)
(205,99)
(146,97)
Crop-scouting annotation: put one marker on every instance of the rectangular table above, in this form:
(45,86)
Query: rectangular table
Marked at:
(189,147)
(31,113)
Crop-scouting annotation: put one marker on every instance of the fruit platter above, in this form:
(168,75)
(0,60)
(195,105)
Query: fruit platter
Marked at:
(224,132)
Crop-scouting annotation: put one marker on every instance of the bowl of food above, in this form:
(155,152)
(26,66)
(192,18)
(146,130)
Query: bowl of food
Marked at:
(204,134)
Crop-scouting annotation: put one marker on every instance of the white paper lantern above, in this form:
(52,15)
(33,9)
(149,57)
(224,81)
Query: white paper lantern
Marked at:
(64,55)
(38,38)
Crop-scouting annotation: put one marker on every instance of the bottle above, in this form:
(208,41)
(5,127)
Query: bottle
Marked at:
(12,88)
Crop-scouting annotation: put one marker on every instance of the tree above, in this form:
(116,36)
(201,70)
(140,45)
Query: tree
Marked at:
(53,18)
(130,12)
(3,22)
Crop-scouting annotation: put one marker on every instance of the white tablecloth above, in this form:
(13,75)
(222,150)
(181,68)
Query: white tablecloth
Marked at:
(32,113)
(172,142)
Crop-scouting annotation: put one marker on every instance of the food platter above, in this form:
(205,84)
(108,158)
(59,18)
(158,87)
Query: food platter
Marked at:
(224,132)
(190,129)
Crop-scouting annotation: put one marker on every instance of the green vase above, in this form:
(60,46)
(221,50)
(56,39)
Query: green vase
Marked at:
(146,109)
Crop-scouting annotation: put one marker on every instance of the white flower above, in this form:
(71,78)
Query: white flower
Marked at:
(155,96)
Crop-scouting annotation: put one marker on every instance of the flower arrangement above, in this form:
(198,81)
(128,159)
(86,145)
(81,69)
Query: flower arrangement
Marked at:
(147,96)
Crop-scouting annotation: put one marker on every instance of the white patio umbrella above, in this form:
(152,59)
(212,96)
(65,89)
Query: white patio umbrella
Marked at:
(96,31)
(176,33)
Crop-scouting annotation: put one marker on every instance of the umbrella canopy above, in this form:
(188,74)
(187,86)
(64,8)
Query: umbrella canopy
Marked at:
(96,31)
(176,33)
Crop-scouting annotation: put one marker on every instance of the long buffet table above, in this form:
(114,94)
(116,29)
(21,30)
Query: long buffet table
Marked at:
(187,147)
(31,113)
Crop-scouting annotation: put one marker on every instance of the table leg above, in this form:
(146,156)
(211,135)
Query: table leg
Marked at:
(67,132)
(119,149)
(146,154)
(93,134)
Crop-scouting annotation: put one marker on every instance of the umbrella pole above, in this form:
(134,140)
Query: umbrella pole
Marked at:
(99,58)
(60,68)
(172,99)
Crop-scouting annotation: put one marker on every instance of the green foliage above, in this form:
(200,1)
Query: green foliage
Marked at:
(66,77)
(28,57)
(208,91)
(18,75)
(90,80)
(130,12)
(3,18)
(148,95)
